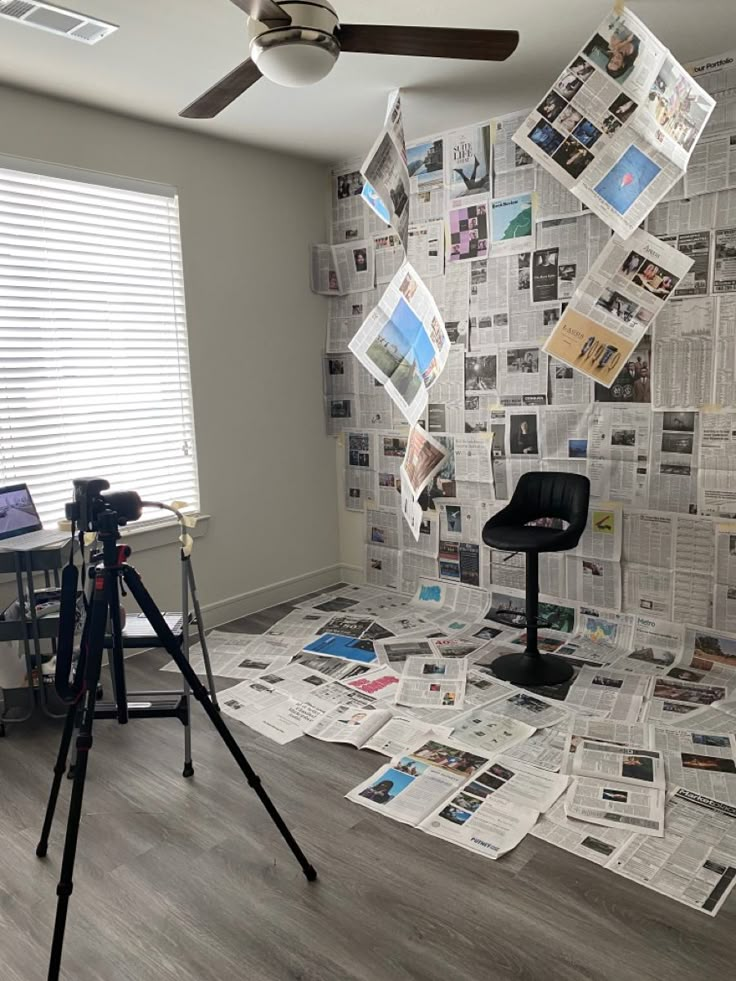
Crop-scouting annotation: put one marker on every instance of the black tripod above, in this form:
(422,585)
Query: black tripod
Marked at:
(108,574)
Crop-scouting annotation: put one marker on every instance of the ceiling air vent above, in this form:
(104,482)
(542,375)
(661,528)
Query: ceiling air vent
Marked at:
(56,20)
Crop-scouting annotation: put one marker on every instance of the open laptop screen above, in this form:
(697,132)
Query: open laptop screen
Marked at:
(18,514)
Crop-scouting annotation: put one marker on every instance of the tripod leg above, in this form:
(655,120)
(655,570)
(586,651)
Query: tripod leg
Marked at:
(116,653)
(59,770)
(169,641)
(188,770)
(200,631)
(84,744)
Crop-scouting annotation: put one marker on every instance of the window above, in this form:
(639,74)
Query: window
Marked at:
(94,365)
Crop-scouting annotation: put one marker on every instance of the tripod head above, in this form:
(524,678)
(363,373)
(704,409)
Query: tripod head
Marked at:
(90,509)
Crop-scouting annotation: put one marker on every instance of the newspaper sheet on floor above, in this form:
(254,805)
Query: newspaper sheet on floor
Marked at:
(534,710)
(619,124)
(432,682)
(673,700)
(609,694)
(615,304)
(403,342)
(618,785)
(269,711)
(239,655)
(703,762)
(386,170)
(494,811)
(591,841)
(413,784)
(488,732)
(695,862)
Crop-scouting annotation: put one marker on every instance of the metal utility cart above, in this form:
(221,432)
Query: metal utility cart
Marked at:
(20,703)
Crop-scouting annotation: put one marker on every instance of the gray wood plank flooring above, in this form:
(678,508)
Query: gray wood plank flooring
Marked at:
(187,880)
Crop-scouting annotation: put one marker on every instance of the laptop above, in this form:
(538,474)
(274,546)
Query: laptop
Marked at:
(20,526)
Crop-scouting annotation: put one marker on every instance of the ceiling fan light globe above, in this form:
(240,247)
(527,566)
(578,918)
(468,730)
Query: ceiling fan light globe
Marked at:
(295,57)
(300,53)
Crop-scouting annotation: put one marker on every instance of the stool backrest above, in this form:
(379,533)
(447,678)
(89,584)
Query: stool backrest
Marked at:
(552,495)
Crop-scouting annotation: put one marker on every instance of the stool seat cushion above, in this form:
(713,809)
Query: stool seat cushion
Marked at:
(524,538)
(541,495)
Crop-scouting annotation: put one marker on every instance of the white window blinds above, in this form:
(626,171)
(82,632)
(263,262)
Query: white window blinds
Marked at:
(94,366)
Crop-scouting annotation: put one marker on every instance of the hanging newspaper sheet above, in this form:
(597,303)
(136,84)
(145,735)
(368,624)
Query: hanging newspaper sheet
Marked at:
(424,457)
(386,172)
(615,304)
(403,342)
(618,126)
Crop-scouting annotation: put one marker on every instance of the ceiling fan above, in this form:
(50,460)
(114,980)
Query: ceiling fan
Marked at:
(297,42)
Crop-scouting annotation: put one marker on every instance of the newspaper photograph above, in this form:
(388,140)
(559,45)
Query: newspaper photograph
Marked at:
(425,160)
(695,862)
(385,169)
(467,160)
(707,650)
(512,224)
(618,126)
(403,343)
(468,230)
(414,784)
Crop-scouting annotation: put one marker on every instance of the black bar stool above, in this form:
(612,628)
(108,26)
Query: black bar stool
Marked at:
(538,495)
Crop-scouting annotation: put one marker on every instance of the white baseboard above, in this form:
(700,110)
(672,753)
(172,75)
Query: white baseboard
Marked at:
(352,573)
(233,607)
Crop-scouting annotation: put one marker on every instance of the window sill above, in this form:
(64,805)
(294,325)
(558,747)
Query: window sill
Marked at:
(162,532)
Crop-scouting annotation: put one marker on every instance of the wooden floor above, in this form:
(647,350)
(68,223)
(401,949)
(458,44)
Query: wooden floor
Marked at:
(187,880)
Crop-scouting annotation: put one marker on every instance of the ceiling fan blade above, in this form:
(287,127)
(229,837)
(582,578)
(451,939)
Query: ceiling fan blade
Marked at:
(265,11)
(428,42)
(224,92)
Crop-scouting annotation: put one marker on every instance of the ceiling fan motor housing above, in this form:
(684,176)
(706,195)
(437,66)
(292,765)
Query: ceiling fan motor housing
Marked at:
(300,53)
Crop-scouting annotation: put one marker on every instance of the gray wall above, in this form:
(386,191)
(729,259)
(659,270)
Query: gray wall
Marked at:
(267,471)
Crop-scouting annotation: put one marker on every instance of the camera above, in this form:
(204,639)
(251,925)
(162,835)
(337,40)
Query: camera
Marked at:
(90,503)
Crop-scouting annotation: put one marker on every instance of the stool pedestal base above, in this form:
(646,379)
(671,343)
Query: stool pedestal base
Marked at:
(532,669)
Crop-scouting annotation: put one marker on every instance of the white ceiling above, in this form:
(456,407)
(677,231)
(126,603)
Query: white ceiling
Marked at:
(167,52)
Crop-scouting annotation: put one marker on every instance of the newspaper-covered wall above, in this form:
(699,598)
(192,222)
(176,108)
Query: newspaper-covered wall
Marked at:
(514,252)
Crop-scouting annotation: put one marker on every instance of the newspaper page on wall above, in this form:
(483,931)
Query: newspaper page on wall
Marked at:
(619,124)
(403,342)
